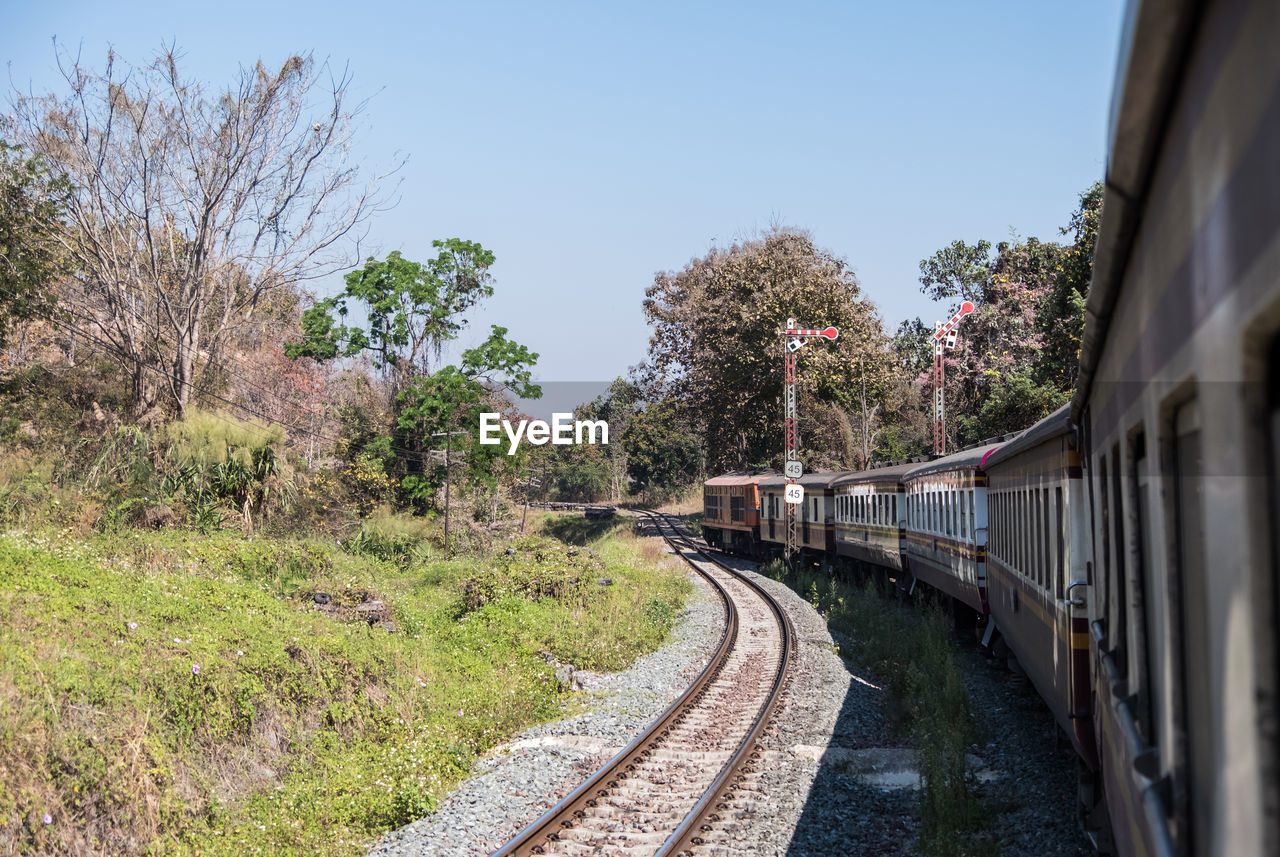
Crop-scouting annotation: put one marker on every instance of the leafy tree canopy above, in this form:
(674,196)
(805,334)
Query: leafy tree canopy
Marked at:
(716,349)
(412,308)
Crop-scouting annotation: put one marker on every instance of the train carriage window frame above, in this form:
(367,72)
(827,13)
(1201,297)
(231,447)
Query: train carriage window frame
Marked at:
(1060,529)
(1033,538)
(1120,566)
(973,515)
(1046,541)
(1104,524)
(1022,533)
(1139,511)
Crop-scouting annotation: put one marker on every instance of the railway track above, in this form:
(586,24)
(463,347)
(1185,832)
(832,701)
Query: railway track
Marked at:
(687,780)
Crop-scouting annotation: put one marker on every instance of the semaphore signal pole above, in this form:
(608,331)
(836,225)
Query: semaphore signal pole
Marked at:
(793,339)
(944,337)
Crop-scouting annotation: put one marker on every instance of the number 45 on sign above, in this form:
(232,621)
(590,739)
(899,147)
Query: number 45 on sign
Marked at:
(794,494)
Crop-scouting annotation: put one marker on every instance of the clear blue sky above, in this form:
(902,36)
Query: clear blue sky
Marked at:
(591,144)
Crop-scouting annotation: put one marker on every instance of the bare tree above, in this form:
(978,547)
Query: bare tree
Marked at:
(188,212)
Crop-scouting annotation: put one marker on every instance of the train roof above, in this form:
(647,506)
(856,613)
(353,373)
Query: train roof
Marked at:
(1056,424)
(892,473)
(1155,42)
(740,477)
(965,459)
(816,479)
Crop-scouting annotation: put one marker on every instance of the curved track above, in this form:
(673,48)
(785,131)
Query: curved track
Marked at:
(667,791)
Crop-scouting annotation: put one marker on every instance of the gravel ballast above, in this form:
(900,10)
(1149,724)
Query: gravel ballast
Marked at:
(828,755)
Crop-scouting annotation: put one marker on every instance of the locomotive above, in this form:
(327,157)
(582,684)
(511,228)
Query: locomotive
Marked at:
(1126,549)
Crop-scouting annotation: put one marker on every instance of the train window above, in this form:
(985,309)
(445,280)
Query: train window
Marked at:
(1042,560)
(1019,528)
(1144,599)
(1024,533)
(973,516)
(1192,795)
(1060,528)
(1014,532)
(1120,610)
(997,530)
(1033,536)
(1033,560)
(964,518)
(1045,535)
(737,508)
(1105,563)
(1046,553)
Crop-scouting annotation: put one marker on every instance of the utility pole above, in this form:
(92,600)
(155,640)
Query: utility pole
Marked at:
(448,462)
(944,338)
(793,339)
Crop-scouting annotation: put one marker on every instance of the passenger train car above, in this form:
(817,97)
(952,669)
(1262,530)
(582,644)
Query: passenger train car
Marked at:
(947,525)
(1037,569)
(1126,549)
(1177,402)
(871,517)
(815,532)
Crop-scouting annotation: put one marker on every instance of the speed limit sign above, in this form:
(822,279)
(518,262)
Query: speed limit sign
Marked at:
(794,469)
(794,494)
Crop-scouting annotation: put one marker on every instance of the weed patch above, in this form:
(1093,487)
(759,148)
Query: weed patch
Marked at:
(911,648)
(166,693)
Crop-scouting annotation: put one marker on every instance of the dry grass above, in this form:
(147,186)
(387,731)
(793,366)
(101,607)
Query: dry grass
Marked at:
(689,504)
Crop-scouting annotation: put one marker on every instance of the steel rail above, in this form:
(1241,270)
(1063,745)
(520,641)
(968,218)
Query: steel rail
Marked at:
(533,839)
(687,835)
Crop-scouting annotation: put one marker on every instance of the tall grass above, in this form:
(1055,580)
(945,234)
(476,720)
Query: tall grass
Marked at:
(911,647)
(168,694)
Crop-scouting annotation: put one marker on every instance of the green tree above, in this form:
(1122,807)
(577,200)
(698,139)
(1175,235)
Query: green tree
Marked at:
(31,229)
(1019,351)
(716,350)
(452,399)
(1060,319)
(663,453)
(412,308)
(617,407)
(958,270)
